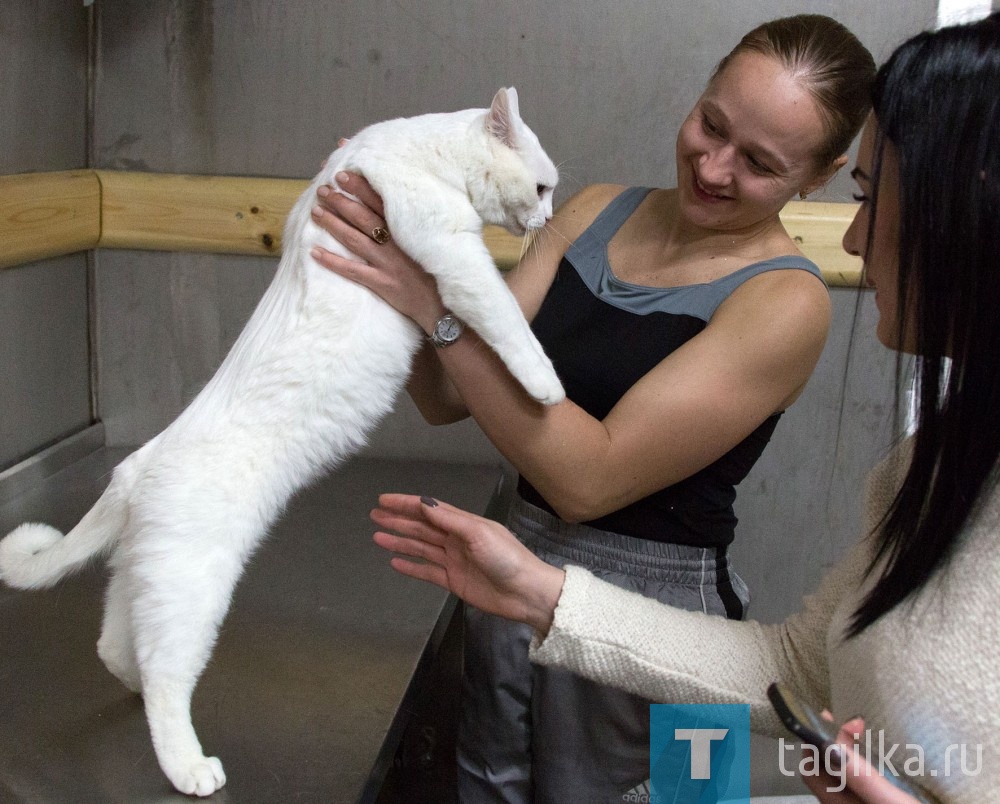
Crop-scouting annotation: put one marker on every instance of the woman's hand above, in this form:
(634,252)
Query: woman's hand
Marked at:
(856,781)
(383,267)
(475,558)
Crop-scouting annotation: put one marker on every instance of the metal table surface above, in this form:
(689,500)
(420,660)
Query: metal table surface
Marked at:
(308,690)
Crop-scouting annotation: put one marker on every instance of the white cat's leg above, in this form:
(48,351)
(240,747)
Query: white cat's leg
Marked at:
(177,616)
(473,289)
(115,647)
(167,698)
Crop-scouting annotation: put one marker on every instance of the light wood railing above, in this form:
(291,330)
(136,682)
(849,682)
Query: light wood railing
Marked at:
(46,215)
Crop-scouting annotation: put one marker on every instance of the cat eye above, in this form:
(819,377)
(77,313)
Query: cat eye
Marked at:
(542,189)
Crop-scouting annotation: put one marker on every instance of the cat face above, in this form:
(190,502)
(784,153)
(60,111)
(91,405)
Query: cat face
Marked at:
(519,182)
(536,211)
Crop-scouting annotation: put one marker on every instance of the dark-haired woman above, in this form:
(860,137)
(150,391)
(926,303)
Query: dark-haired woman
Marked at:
(905,629)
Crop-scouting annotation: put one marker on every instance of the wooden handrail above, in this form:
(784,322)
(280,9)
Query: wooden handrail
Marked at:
(220,214)
(50,214)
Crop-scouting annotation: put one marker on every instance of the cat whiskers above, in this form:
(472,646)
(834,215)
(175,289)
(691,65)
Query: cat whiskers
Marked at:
(526,240)
(553,231)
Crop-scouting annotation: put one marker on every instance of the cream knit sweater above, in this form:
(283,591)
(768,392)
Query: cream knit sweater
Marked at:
(926,674)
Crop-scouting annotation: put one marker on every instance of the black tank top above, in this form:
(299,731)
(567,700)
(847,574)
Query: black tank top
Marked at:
(604,335)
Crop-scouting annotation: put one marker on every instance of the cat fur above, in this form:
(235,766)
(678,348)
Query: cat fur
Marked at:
(320,362)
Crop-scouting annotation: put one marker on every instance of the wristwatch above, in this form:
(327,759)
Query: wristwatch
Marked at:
(446,331)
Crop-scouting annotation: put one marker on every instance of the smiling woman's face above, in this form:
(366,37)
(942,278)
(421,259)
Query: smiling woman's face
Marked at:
(748,146)
(882,259)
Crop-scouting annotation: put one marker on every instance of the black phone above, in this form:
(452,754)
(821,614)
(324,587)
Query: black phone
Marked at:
(806,724)
(800,719)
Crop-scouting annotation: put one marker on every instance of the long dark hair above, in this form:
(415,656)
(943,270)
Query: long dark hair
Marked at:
(937,100)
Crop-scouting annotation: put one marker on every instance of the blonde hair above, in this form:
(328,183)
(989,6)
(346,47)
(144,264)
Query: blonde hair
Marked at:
(829,61)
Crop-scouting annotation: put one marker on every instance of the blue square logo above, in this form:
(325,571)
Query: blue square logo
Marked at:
(699,754)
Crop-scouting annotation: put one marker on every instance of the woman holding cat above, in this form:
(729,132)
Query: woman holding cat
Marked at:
(682,323)
(904,628)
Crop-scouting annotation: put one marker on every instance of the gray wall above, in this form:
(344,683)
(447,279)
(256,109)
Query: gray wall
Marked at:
(44,375)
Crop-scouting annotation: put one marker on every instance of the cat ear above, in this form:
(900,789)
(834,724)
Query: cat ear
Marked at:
(503,119)
(512,101)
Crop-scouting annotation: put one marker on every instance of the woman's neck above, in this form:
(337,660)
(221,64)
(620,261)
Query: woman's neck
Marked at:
(760,240)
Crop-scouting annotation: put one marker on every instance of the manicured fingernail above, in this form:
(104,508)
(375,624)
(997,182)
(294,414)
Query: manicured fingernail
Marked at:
(835,757)
(343,178)
(317,211)
(323,191)
(430,502)
(315,253)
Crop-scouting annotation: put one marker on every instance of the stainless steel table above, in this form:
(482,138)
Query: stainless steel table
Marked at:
(318,664)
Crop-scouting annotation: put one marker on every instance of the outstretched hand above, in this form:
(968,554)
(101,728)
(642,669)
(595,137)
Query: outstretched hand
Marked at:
(383,267)
(475,558)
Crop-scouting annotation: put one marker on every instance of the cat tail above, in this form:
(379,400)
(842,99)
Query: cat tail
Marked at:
(34,556)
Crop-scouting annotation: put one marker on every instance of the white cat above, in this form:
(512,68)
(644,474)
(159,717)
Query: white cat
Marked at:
(318,365)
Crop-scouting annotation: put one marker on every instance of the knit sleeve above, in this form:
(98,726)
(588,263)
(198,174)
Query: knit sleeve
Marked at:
(620,638)
(617,637)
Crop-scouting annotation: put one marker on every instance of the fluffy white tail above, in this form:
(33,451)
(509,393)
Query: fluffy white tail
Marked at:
(34,556)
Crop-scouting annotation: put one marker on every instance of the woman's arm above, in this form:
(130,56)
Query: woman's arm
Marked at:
(703,399)
(390,273)
(623,639)
(608,634)
(475,558)
(750,361)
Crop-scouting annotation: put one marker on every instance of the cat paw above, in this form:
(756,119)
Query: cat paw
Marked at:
(201,778)
(544,386)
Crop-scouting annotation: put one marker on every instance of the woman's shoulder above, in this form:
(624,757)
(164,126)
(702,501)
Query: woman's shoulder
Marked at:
(788,293)
(581,209)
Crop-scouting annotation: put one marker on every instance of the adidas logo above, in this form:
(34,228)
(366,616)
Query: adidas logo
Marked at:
(640,794)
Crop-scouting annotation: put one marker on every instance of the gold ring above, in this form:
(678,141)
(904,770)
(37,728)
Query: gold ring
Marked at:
(380,235)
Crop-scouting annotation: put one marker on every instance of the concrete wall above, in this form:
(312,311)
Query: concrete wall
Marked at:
(44,375)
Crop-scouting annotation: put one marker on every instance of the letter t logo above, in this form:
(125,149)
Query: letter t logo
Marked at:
(701,748)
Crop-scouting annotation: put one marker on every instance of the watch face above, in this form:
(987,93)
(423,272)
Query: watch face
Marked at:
(449,328)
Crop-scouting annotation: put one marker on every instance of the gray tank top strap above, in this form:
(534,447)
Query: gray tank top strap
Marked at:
(589,256)
(727,284)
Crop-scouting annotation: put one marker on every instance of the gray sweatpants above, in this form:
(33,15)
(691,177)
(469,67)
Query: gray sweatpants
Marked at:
(533,734)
